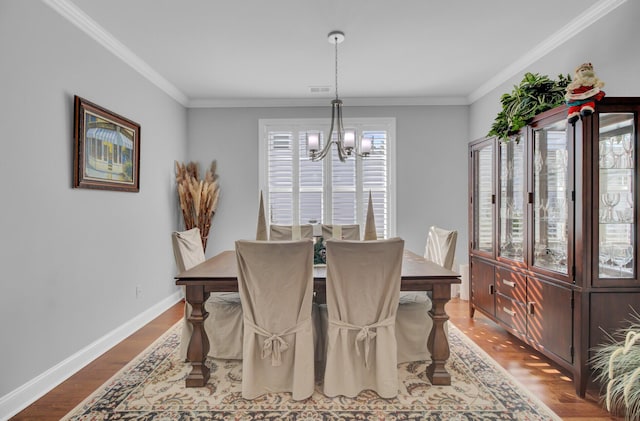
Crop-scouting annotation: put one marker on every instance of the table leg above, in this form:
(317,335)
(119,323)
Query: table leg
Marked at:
(199,343)
(438,344)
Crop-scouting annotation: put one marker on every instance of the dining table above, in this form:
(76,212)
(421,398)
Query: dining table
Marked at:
(219,274)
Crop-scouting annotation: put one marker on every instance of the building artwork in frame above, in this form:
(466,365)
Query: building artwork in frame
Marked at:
(107,149)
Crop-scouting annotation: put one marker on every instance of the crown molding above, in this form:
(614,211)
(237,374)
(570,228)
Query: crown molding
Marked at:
(322,102)
(80,19)
(570,30)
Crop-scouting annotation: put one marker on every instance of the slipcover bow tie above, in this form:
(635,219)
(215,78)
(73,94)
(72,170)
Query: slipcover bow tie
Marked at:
(365,334)
(274,345)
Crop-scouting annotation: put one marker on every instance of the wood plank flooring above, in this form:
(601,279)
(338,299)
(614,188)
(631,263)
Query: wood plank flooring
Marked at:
(532,370)
(549,382)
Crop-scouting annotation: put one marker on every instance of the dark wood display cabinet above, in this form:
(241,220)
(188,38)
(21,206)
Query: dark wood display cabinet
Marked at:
(553,229)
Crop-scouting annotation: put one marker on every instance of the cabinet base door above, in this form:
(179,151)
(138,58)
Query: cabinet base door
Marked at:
(482,286)
(550,317)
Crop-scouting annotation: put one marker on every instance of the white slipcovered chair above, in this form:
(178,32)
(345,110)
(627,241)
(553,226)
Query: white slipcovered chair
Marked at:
(290,232)
(414,323)
(363,285)
(441,246)
(275,280)
(370,232)
(341,232)
(224,324)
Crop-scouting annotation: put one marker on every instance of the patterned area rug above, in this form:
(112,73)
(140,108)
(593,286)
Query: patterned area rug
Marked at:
(151,387)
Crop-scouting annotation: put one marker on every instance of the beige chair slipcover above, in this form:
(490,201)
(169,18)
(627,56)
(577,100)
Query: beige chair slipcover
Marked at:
(341,232)
(275,280)
(370,223)
(298,232)
(414,323)
(363,286)
(224,324)
(290,232)
(441,246)
(261,228)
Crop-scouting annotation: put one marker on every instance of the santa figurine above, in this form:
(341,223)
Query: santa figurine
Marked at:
(583,92)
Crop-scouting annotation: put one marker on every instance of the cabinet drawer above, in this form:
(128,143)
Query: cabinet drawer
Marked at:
(511,312)
(511,284)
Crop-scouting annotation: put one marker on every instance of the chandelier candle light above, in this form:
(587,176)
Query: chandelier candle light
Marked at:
(345,140)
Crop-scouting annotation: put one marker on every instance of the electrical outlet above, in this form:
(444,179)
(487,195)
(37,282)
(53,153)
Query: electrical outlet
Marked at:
(138,291)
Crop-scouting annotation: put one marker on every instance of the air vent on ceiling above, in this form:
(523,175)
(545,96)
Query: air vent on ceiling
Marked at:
(319,89)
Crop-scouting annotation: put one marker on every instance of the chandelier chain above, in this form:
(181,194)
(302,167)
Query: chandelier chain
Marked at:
(336,49)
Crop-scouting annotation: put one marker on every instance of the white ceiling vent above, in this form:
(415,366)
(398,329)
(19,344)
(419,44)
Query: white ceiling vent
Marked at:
(319,89)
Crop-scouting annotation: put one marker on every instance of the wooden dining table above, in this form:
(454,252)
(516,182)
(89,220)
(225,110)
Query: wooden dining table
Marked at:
(219,274)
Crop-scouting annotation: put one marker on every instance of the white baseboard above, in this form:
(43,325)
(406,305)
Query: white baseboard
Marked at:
(18,399)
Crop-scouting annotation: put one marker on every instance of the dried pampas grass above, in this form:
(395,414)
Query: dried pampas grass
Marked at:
(198,197)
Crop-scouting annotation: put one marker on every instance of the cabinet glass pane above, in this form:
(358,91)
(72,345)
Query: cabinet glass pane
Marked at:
(617,199)
(482,199)
(550,214)
(512,199)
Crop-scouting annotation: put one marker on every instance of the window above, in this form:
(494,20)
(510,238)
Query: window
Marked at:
(299,191)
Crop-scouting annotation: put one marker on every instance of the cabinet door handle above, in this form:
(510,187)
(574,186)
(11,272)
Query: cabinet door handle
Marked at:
(530,307)
(491,288)
(509,311)
(510,283)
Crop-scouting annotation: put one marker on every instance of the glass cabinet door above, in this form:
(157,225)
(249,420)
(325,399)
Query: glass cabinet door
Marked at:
(550,204)
(483,198)
(512,194)
(616,207)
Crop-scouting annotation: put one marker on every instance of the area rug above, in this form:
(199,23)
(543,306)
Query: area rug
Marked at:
(151,387)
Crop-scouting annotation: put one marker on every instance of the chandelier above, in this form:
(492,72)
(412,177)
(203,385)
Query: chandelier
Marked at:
(345,140)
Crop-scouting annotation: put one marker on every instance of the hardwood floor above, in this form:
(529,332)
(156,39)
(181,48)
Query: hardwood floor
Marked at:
(551,384)
(535,372)
(57,403)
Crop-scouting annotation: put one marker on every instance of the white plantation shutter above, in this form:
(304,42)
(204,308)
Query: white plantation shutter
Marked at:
(298,190)
(343,198)
(375,179)
(310,183)
(280,191)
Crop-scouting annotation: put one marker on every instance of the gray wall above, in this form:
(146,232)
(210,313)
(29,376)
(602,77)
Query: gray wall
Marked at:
(611,45)
(71,258)
(431,167)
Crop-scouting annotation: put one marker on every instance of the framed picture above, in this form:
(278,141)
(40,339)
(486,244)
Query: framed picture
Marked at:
(107,149)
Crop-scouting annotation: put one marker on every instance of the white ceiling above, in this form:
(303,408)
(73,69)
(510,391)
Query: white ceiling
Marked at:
(258,52)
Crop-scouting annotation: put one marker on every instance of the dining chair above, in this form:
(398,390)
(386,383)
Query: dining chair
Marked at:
(441,246)
(341,232)
(290,232)
(363,286)
(370,223)
(275,280)
(224,324)
(261,226)
(414,323)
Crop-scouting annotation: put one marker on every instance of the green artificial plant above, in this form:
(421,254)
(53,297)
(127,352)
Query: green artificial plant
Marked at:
(535,94)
